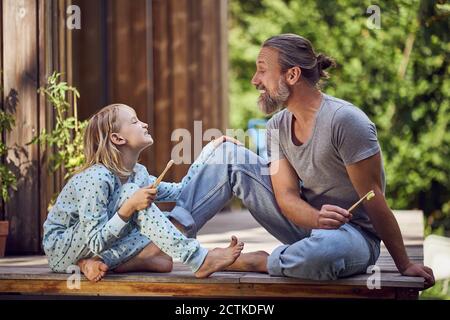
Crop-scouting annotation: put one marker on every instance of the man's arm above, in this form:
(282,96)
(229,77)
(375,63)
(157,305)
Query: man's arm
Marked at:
(285,184)
(365,175)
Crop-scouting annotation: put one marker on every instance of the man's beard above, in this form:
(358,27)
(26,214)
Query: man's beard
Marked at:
(268,103)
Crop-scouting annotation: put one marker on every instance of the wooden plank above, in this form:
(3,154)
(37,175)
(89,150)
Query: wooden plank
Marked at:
(46,183)
(386,280)
(195,63)
(20,67)
(215,40)
(161,127)
(223,60)
(182,275)
(179,81)
(210,290)
(2,205)
(56,57)
(406,294)
(162,91)
(89,58)
(129,60)
(207,42)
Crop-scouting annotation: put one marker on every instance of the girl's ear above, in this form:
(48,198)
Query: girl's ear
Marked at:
(117,139)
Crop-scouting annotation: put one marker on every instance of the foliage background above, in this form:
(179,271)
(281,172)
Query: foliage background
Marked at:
(398,75)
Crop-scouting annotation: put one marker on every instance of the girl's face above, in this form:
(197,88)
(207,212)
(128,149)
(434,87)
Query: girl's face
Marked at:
(133,133)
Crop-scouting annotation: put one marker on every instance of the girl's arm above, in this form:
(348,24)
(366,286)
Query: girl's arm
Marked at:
(100,231)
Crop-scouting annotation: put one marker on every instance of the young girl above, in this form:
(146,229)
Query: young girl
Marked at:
(104,218)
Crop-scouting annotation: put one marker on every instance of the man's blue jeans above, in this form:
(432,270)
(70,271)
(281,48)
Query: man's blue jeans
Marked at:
(309,254)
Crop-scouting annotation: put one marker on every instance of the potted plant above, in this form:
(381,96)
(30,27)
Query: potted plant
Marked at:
(8,180)
(66,136)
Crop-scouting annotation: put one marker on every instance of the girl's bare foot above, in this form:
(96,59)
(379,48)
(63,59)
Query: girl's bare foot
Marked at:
(93,269)
(220,258)
(252,261)
(151,259)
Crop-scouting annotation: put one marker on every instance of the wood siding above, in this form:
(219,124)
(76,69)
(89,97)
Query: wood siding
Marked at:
(165,58)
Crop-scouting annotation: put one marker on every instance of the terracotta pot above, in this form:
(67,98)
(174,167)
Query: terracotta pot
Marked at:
(4,230)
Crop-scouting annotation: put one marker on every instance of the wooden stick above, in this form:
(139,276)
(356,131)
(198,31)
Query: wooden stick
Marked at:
(161,176)
(368,196)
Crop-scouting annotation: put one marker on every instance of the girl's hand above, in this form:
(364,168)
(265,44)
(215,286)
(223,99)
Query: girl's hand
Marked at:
(140,200)
(223,139)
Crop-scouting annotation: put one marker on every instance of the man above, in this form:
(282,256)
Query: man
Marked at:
(324,155)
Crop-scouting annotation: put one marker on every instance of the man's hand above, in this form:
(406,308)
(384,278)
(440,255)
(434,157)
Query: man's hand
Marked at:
(417,270)
(366,175)
(332,217)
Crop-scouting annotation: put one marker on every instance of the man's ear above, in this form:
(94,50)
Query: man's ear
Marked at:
(117,139)
(293,75)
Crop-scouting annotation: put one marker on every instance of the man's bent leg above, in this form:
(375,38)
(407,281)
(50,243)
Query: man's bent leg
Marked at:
(325,255)
(234,171)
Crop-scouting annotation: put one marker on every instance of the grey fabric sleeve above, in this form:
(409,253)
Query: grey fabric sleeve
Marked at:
(274,149)
(354,135)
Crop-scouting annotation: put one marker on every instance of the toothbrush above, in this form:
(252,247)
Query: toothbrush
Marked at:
(161,176)
(367,197)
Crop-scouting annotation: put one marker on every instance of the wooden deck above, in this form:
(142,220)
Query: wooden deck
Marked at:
(31,275)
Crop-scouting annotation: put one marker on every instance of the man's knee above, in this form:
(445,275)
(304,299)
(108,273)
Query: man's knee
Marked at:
(319,265)
(308,260)
(230,153)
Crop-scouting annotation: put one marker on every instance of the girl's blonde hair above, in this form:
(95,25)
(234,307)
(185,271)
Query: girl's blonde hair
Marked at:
(98,147)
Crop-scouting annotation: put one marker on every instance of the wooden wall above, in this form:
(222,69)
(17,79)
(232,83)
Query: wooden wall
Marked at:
(190,69)
(20,78)
(165,58)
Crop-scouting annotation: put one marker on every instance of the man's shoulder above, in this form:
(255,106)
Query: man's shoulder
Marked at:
(338,102)
(277,118)
(344,111)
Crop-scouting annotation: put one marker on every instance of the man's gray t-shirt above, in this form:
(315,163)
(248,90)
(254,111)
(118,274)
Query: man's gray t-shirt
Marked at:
(342,135)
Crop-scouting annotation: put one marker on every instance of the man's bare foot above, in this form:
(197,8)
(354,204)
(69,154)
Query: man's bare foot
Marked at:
(220,258)
(252,261)
(150,259)
(94,269)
